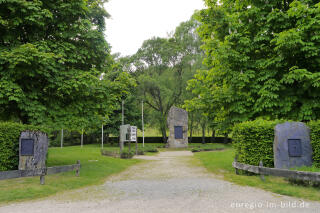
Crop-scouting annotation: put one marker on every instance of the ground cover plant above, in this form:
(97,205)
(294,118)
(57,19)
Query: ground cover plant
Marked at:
(95,168)
(220,163)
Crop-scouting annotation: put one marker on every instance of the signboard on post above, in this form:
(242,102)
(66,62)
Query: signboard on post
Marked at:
(133,133)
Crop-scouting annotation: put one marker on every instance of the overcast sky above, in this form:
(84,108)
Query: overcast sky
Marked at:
(133,21)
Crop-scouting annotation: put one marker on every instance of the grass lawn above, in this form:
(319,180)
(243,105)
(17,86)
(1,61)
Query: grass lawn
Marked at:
(95,168)
(220,164)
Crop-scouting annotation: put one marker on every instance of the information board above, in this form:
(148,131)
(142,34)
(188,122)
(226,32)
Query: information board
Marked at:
(133,133)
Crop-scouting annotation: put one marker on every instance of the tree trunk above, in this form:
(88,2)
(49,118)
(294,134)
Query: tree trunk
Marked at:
(164,134)
(203,133)
(191,128)
(213,136)
(225,140)
(107,137)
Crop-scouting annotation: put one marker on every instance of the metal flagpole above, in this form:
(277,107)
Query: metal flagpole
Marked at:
(122,119)
(142,127)
(61,141)
(82,138)
(102,137)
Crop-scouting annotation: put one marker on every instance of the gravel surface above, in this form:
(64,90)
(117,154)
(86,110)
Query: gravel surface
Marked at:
(169,182)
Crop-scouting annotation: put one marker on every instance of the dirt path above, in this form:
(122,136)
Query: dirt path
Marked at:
(166,183)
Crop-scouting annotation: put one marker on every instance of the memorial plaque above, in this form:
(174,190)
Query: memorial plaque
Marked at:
(294,148)
(178,133)
(27,146)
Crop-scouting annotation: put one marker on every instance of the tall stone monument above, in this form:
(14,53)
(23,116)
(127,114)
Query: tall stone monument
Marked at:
(33,148)
(178,128)
(292,146)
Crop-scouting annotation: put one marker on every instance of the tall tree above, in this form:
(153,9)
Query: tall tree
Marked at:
(162,66)
(263,61)
(52,54)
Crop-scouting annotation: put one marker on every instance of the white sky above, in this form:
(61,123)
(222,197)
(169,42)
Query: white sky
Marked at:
(133,21)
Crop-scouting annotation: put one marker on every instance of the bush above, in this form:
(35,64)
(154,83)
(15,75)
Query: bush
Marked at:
(315,141)
(253,141)
(9,144)
(151,149)
(126,154)
(109,153)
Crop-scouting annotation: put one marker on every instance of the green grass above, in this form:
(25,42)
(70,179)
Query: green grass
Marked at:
(220,164)
(95,168)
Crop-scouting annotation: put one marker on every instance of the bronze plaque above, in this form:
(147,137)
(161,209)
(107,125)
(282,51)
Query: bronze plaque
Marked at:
(27,147)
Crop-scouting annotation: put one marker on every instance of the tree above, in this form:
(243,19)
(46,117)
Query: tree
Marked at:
(262,61)
(52,54)
(162,66)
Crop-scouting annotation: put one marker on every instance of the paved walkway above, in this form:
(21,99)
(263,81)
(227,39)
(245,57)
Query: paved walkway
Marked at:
(169,182)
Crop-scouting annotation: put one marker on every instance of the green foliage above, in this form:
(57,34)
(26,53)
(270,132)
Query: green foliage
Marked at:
(52,57)
(151,149)
(253,142)
(126,154)
(9,144)
(315,141)
(162,66)
(262,61)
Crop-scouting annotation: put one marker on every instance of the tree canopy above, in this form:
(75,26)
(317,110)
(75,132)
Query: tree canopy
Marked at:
(52,56)
(162,67)
(262,58)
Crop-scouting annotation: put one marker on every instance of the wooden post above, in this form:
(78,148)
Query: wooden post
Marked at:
(42,181)
(137,146)
(129,146)
(261,175)
(236,160)
(78,169)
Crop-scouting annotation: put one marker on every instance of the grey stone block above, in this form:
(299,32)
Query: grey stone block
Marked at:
(33,148)
(292,146)
(178,128)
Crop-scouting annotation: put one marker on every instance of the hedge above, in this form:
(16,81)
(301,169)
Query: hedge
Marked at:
(315,141)
(253,141)
(9,144)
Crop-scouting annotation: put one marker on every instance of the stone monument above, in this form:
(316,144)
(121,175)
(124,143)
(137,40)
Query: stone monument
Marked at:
(178,128)
(33,148)
(292,146)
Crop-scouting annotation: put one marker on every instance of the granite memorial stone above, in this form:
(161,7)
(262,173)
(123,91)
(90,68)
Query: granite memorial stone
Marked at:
(292,146)
(178,128)
(33,148)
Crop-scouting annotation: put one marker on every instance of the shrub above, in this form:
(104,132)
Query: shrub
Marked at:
(109,153)
(151,149)
(253,141)
(126,154)
(195,150)
(315,141)
(9,144)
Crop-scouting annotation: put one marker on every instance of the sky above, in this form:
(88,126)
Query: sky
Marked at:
(134,21)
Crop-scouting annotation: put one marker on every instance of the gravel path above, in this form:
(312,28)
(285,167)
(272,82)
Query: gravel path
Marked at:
(168,182)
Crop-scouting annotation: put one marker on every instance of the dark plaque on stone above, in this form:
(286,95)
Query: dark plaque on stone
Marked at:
(295,149)
(292,146)
(27,146)
(178,133)
(178,128)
